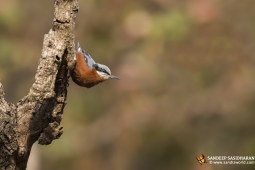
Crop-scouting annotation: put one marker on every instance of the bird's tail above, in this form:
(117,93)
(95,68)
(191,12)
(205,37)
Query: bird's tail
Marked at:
(79,47)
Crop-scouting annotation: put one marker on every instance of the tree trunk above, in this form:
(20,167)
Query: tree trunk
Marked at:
(37,116)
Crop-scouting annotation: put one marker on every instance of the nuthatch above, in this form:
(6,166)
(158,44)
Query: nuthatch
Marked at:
(87,72)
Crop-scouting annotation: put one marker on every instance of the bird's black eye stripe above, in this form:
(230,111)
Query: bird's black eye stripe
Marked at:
(100,69)
(105,71)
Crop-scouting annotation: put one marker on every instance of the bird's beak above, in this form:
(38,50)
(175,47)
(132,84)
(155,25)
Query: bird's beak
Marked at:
(113,77)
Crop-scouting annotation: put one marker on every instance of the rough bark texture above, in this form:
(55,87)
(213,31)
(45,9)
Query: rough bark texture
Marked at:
(37,116)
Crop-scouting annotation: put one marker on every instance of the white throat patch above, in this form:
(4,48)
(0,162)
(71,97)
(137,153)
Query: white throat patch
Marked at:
(103,75)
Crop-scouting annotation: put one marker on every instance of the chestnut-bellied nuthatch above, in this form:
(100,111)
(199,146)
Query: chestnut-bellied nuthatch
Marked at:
(87,72)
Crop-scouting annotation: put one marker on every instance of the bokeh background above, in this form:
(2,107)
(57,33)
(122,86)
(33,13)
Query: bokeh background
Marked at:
(187,87)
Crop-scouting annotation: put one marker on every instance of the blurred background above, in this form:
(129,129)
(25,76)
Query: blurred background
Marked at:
(187,87)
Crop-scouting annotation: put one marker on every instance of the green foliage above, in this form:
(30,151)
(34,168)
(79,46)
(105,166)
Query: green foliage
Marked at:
(172,25)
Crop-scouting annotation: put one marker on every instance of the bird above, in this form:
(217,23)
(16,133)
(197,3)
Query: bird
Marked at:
(88,73)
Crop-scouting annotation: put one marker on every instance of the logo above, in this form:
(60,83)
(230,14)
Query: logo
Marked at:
(201,159)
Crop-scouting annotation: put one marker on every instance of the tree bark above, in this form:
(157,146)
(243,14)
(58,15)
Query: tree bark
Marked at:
(37,116)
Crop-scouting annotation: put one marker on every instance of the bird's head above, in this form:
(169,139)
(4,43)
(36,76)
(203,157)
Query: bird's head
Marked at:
(104,72)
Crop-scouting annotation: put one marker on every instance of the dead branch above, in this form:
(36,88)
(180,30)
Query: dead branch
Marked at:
(37,116)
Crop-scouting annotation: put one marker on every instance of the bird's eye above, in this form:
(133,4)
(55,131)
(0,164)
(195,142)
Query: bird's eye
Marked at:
(105,72)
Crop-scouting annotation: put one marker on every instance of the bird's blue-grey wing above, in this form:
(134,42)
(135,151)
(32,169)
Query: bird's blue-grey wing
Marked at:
(89,60)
